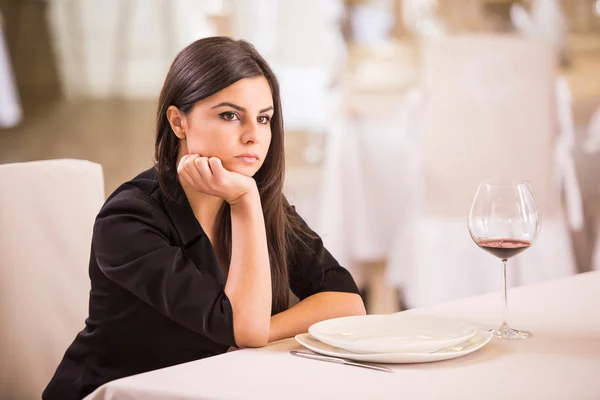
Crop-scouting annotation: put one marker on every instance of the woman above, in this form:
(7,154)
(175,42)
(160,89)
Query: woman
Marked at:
(200,252)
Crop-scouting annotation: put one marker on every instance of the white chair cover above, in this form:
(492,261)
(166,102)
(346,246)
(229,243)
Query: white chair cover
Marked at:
(565,145)
(10,104)
(488,113)
(592,144)
(596,255)
(47,210)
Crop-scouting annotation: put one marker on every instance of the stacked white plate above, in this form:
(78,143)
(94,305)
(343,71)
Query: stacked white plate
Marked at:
(394,338)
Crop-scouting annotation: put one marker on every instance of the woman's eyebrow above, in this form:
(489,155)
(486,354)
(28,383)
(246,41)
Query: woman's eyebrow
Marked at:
(239,108)
(242,109)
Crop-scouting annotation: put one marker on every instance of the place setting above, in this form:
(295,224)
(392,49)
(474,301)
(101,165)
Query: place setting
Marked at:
(398,338)
(504,221)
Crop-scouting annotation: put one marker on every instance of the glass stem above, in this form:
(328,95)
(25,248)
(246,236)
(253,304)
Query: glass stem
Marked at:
(505,314)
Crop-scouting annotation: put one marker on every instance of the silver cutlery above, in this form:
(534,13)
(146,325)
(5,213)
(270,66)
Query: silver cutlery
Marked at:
(338,360)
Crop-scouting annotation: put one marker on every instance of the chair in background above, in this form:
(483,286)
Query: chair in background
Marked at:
(489,112)
(592,147)
(47,211)
(11,112)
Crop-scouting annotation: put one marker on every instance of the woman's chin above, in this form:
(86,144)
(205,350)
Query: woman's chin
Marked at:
(247,170)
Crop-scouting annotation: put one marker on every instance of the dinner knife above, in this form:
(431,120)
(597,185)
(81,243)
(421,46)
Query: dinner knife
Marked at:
(338,360)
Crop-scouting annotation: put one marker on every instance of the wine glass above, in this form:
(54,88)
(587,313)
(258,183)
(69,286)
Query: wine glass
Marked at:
(504,220)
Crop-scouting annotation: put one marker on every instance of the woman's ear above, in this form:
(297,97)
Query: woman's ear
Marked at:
(177,121)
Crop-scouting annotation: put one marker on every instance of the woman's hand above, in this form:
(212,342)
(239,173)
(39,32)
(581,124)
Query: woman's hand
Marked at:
(207,175)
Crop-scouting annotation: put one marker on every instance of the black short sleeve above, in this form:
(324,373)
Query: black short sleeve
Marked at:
(133,250)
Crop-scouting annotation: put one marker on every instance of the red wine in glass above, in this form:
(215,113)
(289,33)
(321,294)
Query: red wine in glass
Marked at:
(503,248)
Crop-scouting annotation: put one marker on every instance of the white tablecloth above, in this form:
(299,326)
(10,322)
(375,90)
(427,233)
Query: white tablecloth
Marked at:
(369,177)
(561,361)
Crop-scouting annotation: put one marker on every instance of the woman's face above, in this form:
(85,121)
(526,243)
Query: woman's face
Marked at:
(233,125)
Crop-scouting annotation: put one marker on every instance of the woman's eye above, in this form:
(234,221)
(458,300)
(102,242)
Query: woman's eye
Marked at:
(229,116)
(264,119)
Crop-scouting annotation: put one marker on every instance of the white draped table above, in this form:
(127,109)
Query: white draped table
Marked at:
(561,361)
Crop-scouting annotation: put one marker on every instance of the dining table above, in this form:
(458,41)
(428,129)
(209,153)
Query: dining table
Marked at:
(560,361)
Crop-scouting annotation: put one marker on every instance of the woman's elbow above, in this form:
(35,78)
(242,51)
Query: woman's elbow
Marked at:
(246,339)
(250,327)
(358,306)
(349,305)
(249,332)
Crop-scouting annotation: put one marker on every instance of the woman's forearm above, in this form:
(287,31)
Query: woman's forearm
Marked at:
(318,307)
(248,284)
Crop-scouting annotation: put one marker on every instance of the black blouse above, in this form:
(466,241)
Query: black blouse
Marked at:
(157,290)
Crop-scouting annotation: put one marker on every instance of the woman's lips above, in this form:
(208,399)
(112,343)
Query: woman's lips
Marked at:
(247,158)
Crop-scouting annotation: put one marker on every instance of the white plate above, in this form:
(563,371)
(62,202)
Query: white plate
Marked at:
(476,342)
(392,333)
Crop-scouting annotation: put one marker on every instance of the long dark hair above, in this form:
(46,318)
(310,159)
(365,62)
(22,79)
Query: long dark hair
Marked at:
(202,69)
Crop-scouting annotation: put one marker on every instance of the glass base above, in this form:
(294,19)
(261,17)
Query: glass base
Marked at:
(505,332)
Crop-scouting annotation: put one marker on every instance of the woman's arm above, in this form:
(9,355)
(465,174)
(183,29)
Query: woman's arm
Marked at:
(318,307)
(248,284)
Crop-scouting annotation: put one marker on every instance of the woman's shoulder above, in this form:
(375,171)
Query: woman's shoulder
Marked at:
(142,187)
(140,196)
(139,206)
